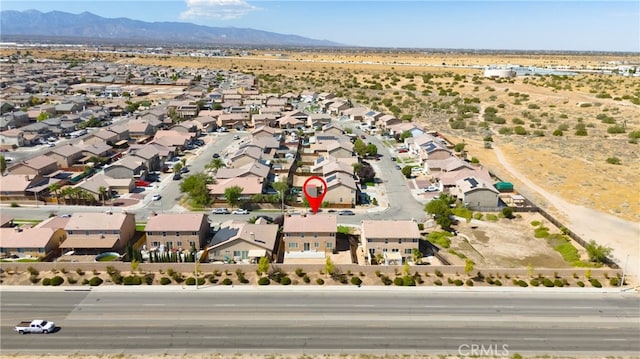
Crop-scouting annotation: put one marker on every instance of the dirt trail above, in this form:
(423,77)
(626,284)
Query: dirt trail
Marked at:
(621,235)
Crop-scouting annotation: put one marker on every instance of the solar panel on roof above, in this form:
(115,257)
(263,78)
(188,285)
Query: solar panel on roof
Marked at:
(472,181)
(331,178)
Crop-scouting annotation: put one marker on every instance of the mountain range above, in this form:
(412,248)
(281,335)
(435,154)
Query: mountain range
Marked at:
(57,25)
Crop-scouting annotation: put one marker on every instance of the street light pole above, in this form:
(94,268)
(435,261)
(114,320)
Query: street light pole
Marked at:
(624,271)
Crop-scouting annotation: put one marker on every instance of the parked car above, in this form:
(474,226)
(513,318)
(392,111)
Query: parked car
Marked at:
(346,212)
(363,137)
(176,176)
(220,211)
(236,137)
(66,215)
(398,167)
(393,159)
(403,150)
(141,183)
(240,211)
(35,326)
(156,197)
(216,155)
(184,170)
(432,189)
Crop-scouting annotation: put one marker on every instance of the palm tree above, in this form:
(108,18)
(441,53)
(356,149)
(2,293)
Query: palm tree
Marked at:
(216,164)
(103,194)
(54,188)
(66,192)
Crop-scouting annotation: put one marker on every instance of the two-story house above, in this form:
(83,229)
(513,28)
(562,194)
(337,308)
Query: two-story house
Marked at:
(394,239)
(177,231)
(95,233)
(309,233)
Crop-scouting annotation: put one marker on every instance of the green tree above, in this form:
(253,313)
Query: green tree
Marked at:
(404,135)
(103,194)
(416,255)
(406,171)
(3,165)
(216,164)
(263,265)
(440,208)
(372,150)
(282,188)
(329,267)
(598,253)
(232,194)
(357,166)
(459,147)
(360,148)
(468,266)
(42,116)
(195,186)
(54,188)
(177,167)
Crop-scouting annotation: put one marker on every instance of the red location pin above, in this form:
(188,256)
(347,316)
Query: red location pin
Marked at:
(316,201)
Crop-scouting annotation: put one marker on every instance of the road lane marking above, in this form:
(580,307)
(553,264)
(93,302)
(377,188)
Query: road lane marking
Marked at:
(534,338)
(297,337)
(614,340)
(216,337)
(17,305)
(454,338)
(154,304)
(224,305)
(139,337)
(372,337)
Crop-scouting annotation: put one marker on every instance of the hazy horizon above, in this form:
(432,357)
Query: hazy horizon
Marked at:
(487,25)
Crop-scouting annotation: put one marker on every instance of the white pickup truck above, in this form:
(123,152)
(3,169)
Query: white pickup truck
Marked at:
(36,326)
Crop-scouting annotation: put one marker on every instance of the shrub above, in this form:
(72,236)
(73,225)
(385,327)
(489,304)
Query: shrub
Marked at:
(558,283)
(148,278)
(378,274)
(458,282)
(227,281)
(85,281)
(95,281)
(547,282)
(580,283)
(614,282)
(80,271)
(522,283)
(489,280)
(132,280)
(386,280)
(497,282)
(596,283)
(469,282)
(165,281)
(356,281)
(72,280)
(190,281)
(285,281)
(438,273)
(319,281)
(264,281)
(57,280)
(614,161)
(33,271)
(306,279)
(34,279)
(408,281)
(437,282)
(213,279)
(299,272)
(46,281)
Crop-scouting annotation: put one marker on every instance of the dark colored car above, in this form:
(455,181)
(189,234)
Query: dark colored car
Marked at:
(346,213)
(216,155)
(176,176)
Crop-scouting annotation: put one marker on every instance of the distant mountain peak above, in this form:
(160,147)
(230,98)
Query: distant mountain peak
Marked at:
(36,25)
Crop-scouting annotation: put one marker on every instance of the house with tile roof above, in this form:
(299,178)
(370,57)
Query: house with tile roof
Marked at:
(395,240)
(31,242)
(240,241)
(309,233)
(41,165)
(177,231)
(477,194)
(95,233)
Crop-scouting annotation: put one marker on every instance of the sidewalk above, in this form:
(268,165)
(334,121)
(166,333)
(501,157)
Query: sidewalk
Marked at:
(315,288)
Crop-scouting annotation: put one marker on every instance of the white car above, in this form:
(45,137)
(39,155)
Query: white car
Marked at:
(220,211)
(156,197)
(240,211)
(432,189)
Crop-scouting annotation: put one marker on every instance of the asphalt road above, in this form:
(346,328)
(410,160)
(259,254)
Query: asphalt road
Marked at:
(358,320)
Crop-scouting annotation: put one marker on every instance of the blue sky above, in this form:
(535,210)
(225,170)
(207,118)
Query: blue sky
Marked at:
(521,25)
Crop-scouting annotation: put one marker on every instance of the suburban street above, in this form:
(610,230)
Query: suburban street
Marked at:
(332,320)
